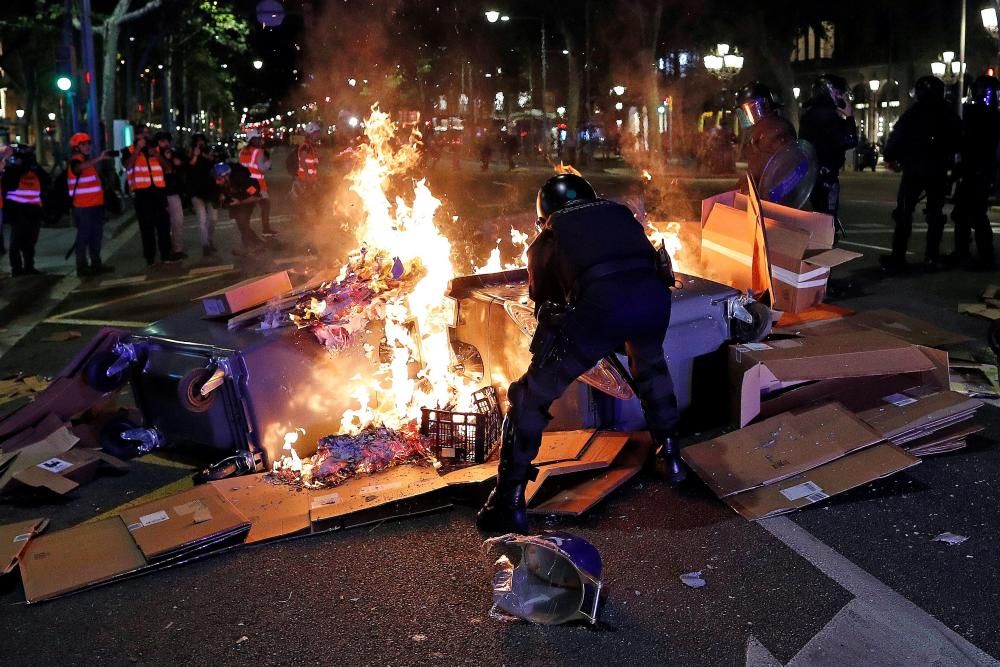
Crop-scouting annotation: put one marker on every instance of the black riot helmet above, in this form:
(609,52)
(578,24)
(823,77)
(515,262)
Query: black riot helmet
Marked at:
(984,92)
(928,89)
(830,86)
(559,191)
(754,101)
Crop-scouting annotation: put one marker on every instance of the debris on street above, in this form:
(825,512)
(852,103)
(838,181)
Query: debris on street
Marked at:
(693,580)
(951,539)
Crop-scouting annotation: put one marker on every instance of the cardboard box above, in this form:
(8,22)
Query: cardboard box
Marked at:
(86,555)
(906,416)
(274,510)
(821,482)
(14,538)
(778,448)
(247,294)
(896,324)
(770,378)
(183,522)
(818,226)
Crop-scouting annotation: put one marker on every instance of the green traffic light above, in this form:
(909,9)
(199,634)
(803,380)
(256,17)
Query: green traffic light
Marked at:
(64,83)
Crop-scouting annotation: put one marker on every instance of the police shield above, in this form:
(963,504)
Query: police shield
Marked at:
(789,175)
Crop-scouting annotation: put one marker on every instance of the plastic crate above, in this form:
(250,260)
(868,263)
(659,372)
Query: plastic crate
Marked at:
(464,437)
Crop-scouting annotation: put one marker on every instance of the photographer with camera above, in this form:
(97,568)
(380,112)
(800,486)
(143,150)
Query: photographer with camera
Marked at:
(87,195)
(828,124)
(173,164)
(145,180)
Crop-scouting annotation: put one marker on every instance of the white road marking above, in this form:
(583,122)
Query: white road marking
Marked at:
(879,626)
(128,324)
(129,297)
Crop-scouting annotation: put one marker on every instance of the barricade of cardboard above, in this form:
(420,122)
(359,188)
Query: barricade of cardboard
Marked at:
(857,369)
(799,249)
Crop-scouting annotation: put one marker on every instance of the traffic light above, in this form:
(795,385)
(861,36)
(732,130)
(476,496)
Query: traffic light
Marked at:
(64,68)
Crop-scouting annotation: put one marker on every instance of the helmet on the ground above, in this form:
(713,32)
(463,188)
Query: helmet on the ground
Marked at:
(829,86)
(929,89)
(78,138)
(312,127)
(754,101)
(984,92)
(557,578)
(221,170)
(559,191)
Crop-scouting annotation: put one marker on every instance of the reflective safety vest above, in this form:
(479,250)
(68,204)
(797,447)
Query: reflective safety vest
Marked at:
(146,173)
(29,190)
(250,158)
(85,189)
(308,164)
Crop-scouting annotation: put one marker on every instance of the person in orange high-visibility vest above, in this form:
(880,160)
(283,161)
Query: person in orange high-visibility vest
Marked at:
(305,188)
(145,180)
(23,183)
(87,193)
(257,161)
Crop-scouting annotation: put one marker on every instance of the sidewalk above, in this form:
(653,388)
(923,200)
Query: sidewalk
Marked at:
(50,258)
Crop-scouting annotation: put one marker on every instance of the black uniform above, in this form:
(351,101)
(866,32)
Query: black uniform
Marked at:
(240,192)
(924,141)
(594,256)
(980,136)
(830,134)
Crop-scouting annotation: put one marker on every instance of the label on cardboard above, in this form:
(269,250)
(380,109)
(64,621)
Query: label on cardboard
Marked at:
(23,537)
(756,347)
(377,488)
(189,507)
(214,307)
(804,490)
(899,399)
(155,517)
(329,499)
(54,465)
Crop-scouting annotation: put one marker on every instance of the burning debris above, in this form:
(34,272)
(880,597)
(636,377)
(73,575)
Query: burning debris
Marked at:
(340,457)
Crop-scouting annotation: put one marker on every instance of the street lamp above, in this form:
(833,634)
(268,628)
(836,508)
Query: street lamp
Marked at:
(947,68)
(990,21)
(492,16)
(723,63)
(619,90)
(19,113)
(873,85)
(257,64)
(796,91)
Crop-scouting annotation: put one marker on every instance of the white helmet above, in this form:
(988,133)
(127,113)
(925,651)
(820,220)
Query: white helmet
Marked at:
(252,133)
(312,127)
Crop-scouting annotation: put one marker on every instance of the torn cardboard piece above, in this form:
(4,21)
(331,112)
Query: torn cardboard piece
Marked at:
(86,555)
(63,473)
(778,448)
(908,416)
(53,446)
(476,474)
(821,482)
(599,453)
(792,373)
(329,507)
(562,446)
(910,329)
(274,510)
(975,380)
(184,522)
(14,538)
(247,294)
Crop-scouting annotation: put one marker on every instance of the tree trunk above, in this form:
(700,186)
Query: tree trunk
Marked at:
(111,30)
(572,93)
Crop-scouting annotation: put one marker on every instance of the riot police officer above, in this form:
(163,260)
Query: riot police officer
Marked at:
(594,278)
(923,143)
(828,124)
(977,168)
(760,110)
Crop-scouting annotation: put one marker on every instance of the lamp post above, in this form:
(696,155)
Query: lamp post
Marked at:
(873,86)
(257,64)
(723,63)
(947,68)
(992,25)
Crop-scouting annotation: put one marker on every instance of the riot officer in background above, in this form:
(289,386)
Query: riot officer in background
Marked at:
(760,110)
(598,285)
(24,186)
(923,143)
(977,169)
(828,124)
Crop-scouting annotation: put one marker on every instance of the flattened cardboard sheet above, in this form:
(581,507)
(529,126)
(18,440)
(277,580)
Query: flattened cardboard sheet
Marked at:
(821,482)
(562,445)
(778,448)
(247,294)
(476,474)
(14,538)
(600,452)
(371,491)
(901,417)
(68,560)
(274,510)
(910,329)
(183,521)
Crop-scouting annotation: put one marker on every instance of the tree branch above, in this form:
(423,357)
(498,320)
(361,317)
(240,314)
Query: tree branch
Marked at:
(142,11)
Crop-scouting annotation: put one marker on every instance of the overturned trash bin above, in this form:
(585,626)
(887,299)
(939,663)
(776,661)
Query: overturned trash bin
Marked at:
(554,578)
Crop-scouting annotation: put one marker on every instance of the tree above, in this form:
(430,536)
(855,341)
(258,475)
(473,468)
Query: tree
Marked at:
(110,30)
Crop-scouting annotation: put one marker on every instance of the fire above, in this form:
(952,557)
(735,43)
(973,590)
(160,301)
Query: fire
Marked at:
(494,264)
(562,168)
(398,277)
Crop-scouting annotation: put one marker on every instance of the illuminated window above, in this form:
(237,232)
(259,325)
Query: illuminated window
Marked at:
(826,40)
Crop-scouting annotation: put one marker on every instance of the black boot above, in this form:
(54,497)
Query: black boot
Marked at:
(505,510)
(675,470)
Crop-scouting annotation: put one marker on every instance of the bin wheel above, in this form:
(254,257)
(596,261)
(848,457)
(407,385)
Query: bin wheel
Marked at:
(756,330)
(112,441)
(993,338)
(189,391)
(96,375)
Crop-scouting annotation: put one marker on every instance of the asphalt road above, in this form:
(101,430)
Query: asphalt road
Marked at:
(416,591)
